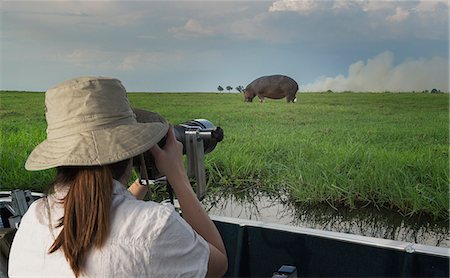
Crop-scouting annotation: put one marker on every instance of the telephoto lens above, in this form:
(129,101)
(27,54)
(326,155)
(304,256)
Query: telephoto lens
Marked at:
(210,134)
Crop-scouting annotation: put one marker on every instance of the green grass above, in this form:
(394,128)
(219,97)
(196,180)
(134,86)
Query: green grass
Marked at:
(352,150)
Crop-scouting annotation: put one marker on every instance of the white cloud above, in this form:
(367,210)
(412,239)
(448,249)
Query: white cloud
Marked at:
(399,16)
(49,13)
(376,5)
(380,74)
(303,6)
(343,5)
(310,6)
(402,8)
(430,6)
(257,27)
(260,27)
(192,28)
(84,58)
(149,60)
(109,60)
(425,19)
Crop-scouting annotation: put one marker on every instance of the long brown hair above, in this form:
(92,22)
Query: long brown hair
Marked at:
(87,205)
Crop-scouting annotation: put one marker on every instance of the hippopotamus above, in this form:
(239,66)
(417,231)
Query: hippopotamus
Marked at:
(273,86)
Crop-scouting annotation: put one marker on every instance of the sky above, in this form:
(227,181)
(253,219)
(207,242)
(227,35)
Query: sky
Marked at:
(195,46)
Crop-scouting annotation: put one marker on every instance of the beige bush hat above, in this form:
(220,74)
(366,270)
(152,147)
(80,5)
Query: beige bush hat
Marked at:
(90,122)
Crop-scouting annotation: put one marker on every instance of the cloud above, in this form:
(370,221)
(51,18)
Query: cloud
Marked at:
(84,58)
(368,6)
(261,27)
(118,61)
(149,60)
(400,15)
(192,28)
(383,9)
(303,7)
(380,74)
(431,6)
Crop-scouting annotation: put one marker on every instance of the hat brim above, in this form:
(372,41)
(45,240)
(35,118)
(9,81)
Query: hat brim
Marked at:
(99,147)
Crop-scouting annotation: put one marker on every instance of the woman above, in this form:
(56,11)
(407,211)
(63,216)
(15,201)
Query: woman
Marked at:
(89,224)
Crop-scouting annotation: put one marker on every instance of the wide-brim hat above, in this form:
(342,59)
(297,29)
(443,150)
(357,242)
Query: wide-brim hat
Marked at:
(90,122)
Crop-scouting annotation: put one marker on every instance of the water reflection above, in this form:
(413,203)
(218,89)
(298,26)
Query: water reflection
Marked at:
(380,223)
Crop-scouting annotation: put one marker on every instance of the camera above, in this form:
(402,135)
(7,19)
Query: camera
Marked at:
(207,132)
(198,136)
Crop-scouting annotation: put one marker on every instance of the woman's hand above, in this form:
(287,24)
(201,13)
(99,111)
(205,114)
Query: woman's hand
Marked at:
(138,190)
(169,159)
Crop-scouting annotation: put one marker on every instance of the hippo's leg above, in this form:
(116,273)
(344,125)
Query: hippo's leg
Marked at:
(291,99)
(261,99)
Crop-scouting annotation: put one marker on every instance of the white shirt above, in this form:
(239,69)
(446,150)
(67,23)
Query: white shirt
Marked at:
(146,239)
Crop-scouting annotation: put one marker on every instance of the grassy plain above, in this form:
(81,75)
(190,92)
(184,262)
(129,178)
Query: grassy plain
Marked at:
(347,149)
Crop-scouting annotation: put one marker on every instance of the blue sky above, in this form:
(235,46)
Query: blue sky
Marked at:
(196,46)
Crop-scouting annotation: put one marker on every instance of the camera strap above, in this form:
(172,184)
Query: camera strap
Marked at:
(143,174)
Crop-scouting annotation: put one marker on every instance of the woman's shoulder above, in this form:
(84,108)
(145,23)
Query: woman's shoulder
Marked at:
(139,220)
(138,209)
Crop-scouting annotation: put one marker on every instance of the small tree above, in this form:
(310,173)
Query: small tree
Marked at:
(435,91)
(229,88)
(240,88)
(220,88)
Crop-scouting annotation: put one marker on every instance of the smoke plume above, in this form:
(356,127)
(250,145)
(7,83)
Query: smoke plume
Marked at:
(380,74)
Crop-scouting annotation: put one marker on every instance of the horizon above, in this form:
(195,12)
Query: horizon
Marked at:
(237,93)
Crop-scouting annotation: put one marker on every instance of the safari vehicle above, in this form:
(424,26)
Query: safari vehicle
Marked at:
(258,249)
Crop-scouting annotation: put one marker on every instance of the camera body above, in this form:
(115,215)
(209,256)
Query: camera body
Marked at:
(199,137)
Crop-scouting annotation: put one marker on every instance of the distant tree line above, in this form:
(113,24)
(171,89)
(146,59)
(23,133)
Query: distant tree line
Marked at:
(433,91)
(239,88)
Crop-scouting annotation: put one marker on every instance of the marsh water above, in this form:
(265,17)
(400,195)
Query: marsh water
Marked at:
(373,222)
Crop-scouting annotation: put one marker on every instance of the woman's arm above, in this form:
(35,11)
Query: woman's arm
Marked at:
(196,216)
(169,162)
